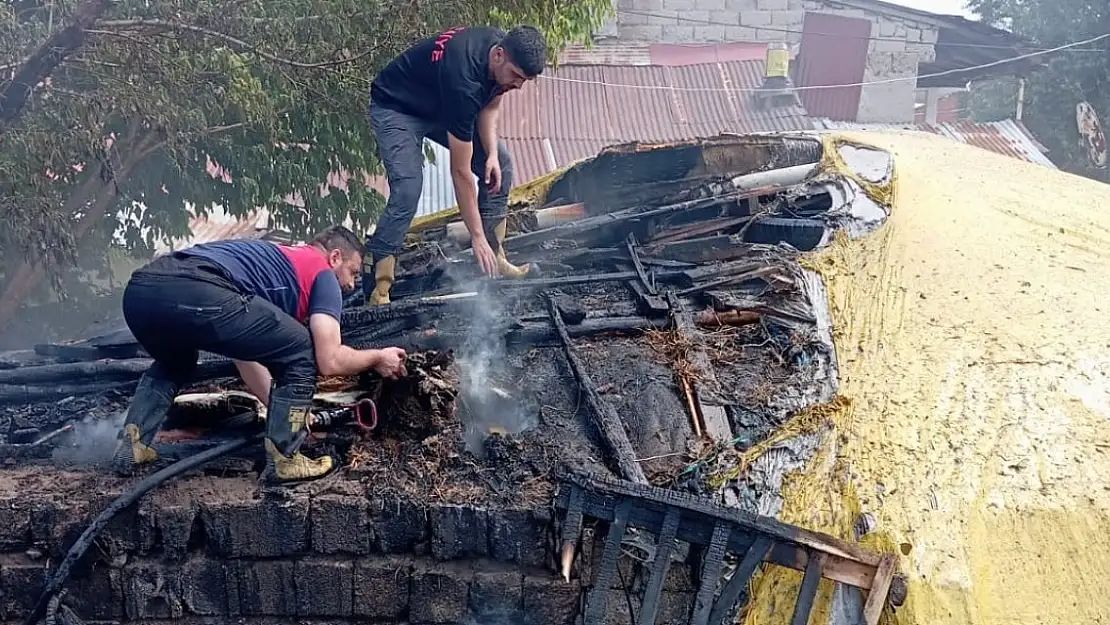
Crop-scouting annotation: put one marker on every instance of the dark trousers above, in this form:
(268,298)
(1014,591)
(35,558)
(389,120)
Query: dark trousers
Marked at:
(177,306)
(400,146)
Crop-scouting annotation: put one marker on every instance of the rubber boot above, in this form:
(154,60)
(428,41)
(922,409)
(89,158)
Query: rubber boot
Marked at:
(288,414)
(507,269)
(148,411)
(383,279)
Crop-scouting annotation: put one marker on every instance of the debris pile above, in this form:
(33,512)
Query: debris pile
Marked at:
(668,318)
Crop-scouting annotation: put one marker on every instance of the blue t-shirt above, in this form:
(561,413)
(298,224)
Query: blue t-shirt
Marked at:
(296,279)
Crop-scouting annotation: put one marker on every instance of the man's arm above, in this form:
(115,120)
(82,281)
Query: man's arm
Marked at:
(258,379)
(332,356)
(487,126)
(463,101)
(466,187)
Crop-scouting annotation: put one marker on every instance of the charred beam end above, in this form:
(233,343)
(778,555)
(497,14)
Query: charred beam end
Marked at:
(648,283)
(572,527)
(606,419)
(711,571)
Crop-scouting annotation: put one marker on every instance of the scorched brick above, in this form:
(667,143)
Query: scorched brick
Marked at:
(268,588)
(21,583)
(497,596)
(175,527)
(400,526)
(381,587)
(439,595)
(268,528)
(15,524)
(549,601)
(152,591)
(97,595)
(204,586)
(517,536)
(324,588)
(341,525)
(458,532)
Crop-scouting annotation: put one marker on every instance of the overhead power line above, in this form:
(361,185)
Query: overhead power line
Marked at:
(886,81)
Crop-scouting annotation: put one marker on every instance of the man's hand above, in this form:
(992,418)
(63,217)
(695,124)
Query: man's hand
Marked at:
(391,363)
(483,253)
(493,174)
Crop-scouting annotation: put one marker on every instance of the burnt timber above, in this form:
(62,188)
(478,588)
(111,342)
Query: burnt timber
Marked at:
(666,331)
(719,531)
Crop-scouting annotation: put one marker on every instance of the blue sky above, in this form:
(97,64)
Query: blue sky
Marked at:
(950,7)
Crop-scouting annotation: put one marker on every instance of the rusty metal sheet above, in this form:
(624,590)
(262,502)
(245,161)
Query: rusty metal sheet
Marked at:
(833,52)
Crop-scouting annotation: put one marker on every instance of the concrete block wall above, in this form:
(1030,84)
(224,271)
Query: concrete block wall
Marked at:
(905,42)
(303,559)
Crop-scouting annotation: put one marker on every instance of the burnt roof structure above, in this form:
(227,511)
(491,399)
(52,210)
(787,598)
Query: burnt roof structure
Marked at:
(670,329)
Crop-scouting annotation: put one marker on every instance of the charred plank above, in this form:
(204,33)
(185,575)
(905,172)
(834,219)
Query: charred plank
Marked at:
(607,569)
(711,571)
(606,419)
(663,547)
(740,578)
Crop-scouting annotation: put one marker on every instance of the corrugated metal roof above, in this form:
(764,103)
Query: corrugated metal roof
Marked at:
(217,226)
(582,108)
(1009,137)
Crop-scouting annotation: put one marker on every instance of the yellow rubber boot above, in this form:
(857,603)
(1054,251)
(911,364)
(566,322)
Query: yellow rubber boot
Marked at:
(141,453)
(298,467)
(148,410)
(506,268)
(383,281)
(287,416)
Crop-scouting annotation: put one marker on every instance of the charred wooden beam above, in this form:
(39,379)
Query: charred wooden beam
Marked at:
(101,372)
(622,218)
(606,419)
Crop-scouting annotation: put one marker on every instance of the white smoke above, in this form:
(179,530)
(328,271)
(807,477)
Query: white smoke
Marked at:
(91,443)
(489,400)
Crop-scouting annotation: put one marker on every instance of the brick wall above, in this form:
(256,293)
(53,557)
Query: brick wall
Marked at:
(705,21)
(329,558)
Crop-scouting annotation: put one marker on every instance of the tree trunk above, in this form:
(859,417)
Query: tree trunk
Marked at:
(43,62)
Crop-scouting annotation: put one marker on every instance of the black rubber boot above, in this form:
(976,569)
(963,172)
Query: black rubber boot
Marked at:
(145,416)
(286,418)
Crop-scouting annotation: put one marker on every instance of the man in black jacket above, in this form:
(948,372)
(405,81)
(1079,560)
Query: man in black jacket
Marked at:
(448,88)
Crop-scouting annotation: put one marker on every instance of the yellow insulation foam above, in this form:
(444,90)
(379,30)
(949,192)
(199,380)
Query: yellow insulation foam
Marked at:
(973,342)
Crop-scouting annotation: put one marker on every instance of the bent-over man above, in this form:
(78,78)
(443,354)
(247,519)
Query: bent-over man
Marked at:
(248,300)
(448,88)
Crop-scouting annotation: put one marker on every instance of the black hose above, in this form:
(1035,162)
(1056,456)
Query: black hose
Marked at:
(137,491)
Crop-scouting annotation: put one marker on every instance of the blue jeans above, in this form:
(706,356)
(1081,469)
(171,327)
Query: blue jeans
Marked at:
(400,147)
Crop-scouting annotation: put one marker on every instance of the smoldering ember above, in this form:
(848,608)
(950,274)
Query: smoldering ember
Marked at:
(603,440)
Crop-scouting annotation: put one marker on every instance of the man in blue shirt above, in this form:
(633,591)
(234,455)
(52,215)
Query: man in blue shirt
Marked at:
(448,88)
(250,301)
